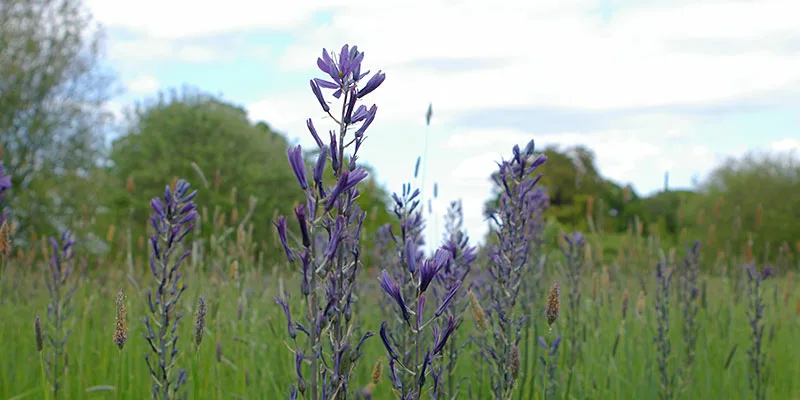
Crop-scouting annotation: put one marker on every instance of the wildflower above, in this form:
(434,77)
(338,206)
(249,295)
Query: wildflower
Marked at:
(390,287)
(121,325)
(372,84)
(451,295)
(295,155)
(283,302)
(392,354)
(440,337)
(280,225)
(173,218)
(300,213)
(318,94)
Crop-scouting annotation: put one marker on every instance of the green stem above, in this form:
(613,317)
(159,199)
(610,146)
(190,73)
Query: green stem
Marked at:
(44,377)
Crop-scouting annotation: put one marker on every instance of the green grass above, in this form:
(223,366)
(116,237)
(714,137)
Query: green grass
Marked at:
(257,364)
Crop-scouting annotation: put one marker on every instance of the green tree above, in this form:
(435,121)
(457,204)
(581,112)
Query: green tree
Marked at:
(754,197)
(53,93)
(167,134)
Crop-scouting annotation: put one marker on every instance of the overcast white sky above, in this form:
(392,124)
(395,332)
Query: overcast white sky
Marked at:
(651,86)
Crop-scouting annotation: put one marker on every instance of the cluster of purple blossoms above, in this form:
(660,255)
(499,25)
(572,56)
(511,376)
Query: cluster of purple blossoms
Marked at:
(456,242)
(412,283)
(61,288)
(410,359)
(516,221)
(329,226)
(172,219)
(759,374)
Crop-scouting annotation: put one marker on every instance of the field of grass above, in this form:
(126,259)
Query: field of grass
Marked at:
(243,353)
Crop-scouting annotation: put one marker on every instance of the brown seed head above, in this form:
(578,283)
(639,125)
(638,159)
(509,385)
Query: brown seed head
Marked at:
(514,362)
(37,330)
(121,325)
(219,351)
(477,312)
(110,234)
(200,320)
(5,239)
(552,310)
(797,308)
(640,304)
(235,270)
(129,186)
(377,372)
(625,300)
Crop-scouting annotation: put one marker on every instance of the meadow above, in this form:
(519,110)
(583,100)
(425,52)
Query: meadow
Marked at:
(533,314)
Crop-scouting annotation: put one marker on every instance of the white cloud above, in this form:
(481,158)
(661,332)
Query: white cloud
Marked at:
(788,144)
(151,49)
(565,58)
(176,19)
(550,54)
(144,84)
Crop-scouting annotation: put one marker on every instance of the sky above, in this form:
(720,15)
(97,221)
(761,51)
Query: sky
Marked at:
(651,86)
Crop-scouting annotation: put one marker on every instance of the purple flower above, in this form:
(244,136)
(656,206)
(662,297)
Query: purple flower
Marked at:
(347,181)
(448,298)
(5,180)
(392,354)
(367,120)
(336,237)
(300,213)
(295,155)
(440,338)
(310,125)
(305,258)
(280,224)
(298,367)
(372,84)
(393,373)
(290,326)
(431,267)
(318,93)
(319,168)
(420,310)
(411,255)
(391,288)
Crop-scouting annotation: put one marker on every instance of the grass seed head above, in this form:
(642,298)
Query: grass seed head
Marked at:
(514,362)
(5,239)
(200,320)
(121,325)
(37,330)
(552,310)
(377,372)
(625,300)
(477,312)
